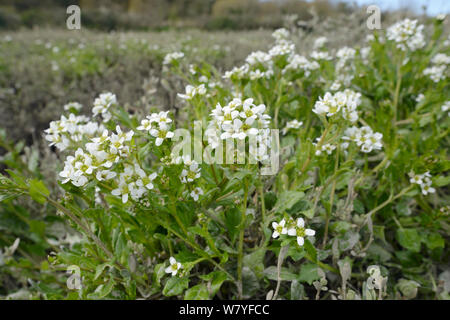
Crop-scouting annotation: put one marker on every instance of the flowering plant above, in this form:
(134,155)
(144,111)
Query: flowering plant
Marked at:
(340,198)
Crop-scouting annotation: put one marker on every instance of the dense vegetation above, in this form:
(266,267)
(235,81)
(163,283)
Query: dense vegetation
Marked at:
(357,210)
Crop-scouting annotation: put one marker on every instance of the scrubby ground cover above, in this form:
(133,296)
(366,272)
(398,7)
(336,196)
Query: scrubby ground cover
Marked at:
(356,209)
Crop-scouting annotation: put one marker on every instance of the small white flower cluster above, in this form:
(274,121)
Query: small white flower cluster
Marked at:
(172,57)
(102,105)
(258,57)
(331,104)
(134,182)
(326,147)
(69,130)
(439,66)
(294,124)
(364,137)
(192,91)
(407,34)
(260,64)
(297,62)
(189,174)
(320,42)
(102,153)
(281,34)
(158,125)
(321,55)
(191,170)
(424,181)
(344,55)
(73,106)
(292,228)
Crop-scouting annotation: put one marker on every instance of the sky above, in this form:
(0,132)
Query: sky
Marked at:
(434,7)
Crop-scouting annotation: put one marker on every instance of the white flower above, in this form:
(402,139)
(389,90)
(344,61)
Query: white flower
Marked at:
(300,232)
(123,190)
(427,188)
(294,124)
(191,170)
(174,267)
(196,193)
(73,105)
(279,228)
(161,134)
(420,98)
(172,57)
(102,104)
(192,91)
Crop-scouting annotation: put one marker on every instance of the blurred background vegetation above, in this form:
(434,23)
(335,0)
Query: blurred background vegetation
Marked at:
(107,15)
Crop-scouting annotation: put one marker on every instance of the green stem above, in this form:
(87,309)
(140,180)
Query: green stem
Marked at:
(241,239)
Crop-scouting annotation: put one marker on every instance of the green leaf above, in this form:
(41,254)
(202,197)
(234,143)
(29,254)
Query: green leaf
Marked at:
(312,252)
(308,273)
(102,290)
(285,274)
(175,286)
(232,221)
(255,261)
(297,290)
(287,199)
(38,191)
(409,239)
(434,240)
(198,292)
(159,273)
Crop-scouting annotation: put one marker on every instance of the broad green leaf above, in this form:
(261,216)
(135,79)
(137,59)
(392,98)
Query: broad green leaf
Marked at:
(308,273)
(175,286)
(287,199)
(409,239)
(198,292)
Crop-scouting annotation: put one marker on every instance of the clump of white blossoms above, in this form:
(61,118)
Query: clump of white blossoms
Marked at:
(174,267)
(158,125)
(320,42)
(321,55)
(192,91)
(326,147)
(172,57)
(102,153)
(343,102)
(191,170)
(364,137)
(102,105)
(424,181)
(134,182)
(407,34)
(292,228)
(73,106)
(239,120)
(437,72)
(72,129)
(298,62)
(294,124)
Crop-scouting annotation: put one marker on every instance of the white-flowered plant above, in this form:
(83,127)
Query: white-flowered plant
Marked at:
(292,228)
(407,34)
